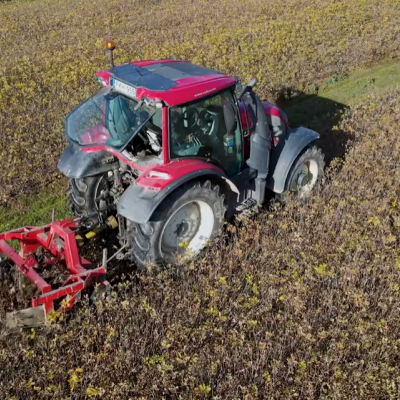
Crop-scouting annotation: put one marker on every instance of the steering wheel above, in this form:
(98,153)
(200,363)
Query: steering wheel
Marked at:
(191,115)
(208,122)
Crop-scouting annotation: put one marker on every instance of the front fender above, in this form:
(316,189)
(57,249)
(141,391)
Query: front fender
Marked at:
(285,154)
(140,200)
(74,163)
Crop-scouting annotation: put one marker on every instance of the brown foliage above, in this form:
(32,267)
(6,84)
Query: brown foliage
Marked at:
(50,50)
(302,303)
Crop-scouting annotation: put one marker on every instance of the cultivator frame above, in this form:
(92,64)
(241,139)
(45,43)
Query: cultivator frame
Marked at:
(58,244)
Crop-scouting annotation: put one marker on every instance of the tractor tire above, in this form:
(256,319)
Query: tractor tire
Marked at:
(83,194)
(182,225)
(305,174)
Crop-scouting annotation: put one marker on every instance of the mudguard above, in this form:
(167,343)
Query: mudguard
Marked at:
(74,163)
(138,203)
(284,155)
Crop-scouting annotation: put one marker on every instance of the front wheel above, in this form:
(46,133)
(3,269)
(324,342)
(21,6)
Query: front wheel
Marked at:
(181,226)
(306,173)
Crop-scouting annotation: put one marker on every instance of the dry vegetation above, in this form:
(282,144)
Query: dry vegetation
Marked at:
(303,304)
(50,50)
(303,301)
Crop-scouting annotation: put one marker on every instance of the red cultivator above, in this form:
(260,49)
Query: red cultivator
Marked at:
(42,248)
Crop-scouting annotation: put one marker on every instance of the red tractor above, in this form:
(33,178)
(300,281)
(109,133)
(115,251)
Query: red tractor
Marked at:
(171,149)
(164,151)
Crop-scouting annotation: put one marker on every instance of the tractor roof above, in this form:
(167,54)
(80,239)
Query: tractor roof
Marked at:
(172,81)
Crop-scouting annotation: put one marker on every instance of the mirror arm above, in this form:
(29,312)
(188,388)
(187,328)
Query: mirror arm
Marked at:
(247,88)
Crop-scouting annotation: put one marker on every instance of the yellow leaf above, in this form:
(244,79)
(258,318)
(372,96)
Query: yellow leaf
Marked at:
(92,392)
(374,220)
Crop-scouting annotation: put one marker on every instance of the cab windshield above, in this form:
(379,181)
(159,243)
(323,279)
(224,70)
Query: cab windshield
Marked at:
(107,118)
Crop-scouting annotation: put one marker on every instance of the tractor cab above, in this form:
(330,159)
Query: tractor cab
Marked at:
(157,112)
(200,129)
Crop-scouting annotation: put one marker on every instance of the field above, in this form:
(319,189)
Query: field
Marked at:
(299,302)
(50,50)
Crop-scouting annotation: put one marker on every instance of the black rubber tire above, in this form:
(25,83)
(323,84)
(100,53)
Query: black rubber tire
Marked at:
(144,239)
(83,193)
(312,153)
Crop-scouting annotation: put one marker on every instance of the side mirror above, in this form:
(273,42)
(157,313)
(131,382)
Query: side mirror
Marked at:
(248,87)
(230,118)
(238,86)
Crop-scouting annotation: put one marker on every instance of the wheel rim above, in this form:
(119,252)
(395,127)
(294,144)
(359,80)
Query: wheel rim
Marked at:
(188,229)
(102,185)
(306,178)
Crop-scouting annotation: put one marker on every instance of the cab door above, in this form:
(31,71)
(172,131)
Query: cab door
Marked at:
(198,130)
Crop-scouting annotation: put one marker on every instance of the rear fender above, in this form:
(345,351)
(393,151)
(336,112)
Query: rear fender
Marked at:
(140,200)
(284,155)
(74,163)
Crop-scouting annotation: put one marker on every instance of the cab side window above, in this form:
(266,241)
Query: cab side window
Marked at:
(198,130)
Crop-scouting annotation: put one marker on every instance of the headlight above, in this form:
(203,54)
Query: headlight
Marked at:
(101,81)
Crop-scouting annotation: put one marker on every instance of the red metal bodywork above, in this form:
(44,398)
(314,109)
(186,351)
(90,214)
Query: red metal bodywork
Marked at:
(187,89)
(58,243)
(158,177)
(247,124)
(169,171)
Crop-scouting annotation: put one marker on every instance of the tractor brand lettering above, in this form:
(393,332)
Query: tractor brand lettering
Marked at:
(204,93)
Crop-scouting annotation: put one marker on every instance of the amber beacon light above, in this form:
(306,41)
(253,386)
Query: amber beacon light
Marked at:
(110,47)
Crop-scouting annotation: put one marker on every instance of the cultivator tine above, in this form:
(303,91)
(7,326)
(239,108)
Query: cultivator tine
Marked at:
(29,318)
(105,258)
(57,243)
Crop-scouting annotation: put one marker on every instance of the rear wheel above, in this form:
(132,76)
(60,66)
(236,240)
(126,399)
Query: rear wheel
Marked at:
(181,226)
(306,173)
(84,196)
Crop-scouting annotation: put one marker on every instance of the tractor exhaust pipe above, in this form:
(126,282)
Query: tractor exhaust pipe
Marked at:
(260,143)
